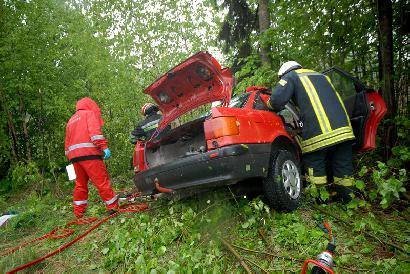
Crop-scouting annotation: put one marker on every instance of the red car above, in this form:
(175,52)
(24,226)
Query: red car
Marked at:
(240,140)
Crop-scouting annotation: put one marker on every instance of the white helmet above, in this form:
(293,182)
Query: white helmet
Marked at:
(288,66)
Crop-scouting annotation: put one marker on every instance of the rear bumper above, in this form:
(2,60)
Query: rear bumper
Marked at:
(216,167)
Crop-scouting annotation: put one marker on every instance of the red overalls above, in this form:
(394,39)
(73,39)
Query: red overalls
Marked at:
(84,144)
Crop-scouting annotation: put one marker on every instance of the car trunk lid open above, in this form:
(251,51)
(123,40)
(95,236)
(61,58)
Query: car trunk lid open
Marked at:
(195,82)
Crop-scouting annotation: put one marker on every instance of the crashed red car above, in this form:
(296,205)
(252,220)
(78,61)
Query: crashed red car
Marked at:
(242,140)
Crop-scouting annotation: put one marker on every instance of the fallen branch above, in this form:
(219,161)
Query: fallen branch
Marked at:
(262,233)
(348,224)
(354,270)
(255,264)
(236,254)
(269,254)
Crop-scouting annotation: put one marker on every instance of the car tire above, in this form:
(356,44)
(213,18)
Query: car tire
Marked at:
(283,186)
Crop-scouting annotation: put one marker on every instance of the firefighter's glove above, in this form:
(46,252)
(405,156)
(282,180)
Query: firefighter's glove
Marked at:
(107,153)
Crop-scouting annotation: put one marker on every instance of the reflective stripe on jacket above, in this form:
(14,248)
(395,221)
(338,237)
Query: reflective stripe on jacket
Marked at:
(147,127)
(324,117)
(83,131)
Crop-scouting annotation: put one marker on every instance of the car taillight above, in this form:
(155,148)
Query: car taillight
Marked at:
(222,126)
(135,159)
(138,160)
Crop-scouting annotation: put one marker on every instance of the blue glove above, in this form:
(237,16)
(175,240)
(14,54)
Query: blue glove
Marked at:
(107,153)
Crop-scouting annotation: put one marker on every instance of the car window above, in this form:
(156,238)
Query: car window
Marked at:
(287,116)
(239,101)
(345,84)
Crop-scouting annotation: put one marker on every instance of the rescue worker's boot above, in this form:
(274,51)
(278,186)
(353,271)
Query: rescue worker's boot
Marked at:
(345,194)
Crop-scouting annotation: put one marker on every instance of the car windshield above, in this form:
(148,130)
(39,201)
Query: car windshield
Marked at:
(239,101)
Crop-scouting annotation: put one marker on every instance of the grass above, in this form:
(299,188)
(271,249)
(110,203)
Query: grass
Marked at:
(185,236)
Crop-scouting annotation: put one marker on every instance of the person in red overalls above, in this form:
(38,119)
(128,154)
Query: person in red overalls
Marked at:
(85,147)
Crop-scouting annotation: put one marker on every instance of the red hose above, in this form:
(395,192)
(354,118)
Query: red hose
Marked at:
(64,232)
(10,251)
(327,226)
(126,208)
(82,221)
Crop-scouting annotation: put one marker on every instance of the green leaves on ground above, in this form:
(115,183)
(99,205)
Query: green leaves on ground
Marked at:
(182,236)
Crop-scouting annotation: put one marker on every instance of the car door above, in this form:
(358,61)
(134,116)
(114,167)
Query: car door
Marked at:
(364,105)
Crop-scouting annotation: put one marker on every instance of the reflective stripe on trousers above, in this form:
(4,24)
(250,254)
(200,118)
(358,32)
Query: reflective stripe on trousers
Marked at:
(317,180)
(346,181)
(83,202)
(97,137)
(111,201)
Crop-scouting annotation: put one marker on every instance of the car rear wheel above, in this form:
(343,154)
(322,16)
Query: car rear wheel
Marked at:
(283,186)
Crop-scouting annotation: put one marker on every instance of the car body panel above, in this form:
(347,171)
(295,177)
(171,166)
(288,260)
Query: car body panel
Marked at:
(221,166)
(255,126)
(138,157)
(377,111)
(197,81)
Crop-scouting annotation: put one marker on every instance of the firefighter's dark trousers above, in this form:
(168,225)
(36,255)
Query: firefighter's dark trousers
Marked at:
(331,165)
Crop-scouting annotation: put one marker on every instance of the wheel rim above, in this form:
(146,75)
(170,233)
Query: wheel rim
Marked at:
(291,179)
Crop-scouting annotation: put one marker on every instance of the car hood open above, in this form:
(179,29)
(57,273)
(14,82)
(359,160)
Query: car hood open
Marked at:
(197,81)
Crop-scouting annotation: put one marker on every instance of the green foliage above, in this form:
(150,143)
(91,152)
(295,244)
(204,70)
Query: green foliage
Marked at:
(318,35)
(54,52)
(24,175)
(403,128)
(389,183)
(252,74)
(183,236)
(384,182)
(84,49)
(401,152)
(319,193)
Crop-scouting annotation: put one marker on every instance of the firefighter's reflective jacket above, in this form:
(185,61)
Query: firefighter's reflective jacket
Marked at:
(146,128)
(84,139)
(324,117)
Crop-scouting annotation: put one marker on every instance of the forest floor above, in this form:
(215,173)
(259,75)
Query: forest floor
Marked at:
(186,235)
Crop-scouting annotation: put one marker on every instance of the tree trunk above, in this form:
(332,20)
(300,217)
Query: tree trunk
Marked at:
(25,129)
(363,65)
(385,26)
(385,17)
(264,22)
(401,85)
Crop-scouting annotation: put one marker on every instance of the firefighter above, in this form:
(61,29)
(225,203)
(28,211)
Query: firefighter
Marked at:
(147,127)
(86,147)
(326,133)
